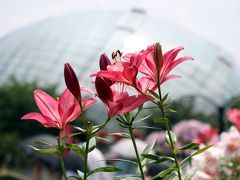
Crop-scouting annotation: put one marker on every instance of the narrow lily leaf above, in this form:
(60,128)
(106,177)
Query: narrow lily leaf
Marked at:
(104,169)
(142,119)
(189,146)
(44,143)
(147,149)
(123,125)
(170,175)
(160,120)
(123,160)
(74,134)
(173,137)
(164,99)
(80,174)
(191,174)
(201,150)
(46,151)
(154,93)
(77,149)
(78,128)
(165,172)
(157,159)
(74,178)
(92,144)
(127,177)
(128,117)
(145,127)
(171,111)
(124,135)
(103,139)
(144,162)
(194,154)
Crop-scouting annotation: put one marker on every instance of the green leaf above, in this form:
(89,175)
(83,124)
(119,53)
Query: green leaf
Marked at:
(128,117)
(189,146)
(75,134)
(164,99)
(154,93)
(124,135)
(127,177)
(80,174)
(201,150)
(74,178)
(170,111)
(77,149)
(194,154)
(46,151)
(80,129)
(104,169)
(123,160)
(173,137)
(92,144)
(157,159)
(191,174)
(170,175)
(161,120)
(147,149)
(124,125)
(44,143)
(145,127)
(142,119)
(103,139)
(165,172)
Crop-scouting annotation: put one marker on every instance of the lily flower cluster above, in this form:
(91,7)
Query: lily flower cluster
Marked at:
(143,73)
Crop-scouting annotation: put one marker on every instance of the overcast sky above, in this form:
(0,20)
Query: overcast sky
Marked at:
(215,20)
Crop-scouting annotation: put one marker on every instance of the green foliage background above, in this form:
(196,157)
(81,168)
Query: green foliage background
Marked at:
(16,99)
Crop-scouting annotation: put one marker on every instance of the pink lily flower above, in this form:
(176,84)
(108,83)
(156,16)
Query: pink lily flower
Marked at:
(118,71)
(234,117)
(146,64)
(57,113)
(116,99)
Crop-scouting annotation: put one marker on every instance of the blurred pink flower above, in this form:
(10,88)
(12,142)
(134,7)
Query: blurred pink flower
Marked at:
(206,136)
(57,113)
(189,130)
(234,117)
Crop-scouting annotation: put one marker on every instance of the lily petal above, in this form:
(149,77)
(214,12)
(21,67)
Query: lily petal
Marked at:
(47,105)
(45,121)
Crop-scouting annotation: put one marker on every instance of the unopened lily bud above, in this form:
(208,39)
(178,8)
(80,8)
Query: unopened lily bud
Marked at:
(104,62)
(158,56)
(103,89)
(71,81)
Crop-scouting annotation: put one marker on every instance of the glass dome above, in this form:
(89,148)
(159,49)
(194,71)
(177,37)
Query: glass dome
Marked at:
(39,51)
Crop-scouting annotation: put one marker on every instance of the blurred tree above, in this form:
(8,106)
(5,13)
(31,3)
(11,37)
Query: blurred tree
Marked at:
(16,99)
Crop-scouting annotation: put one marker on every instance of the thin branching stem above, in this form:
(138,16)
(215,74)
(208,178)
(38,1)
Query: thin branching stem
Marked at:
(169,134)
(136,152)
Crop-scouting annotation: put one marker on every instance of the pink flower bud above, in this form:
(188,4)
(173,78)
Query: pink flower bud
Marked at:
(71,81)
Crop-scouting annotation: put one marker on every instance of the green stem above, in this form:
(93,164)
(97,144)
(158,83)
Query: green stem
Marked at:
(169,135)
(63,167)
(136,152)
(173,153)
(59,142)
(86,157)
